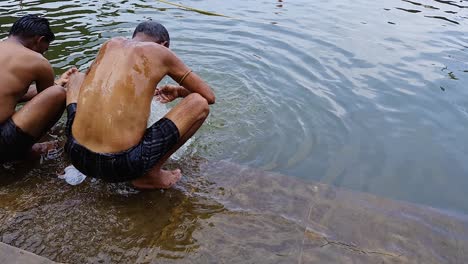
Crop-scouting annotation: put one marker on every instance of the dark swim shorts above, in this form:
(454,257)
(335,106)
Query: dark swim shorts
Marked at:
(126,165)
(14,142)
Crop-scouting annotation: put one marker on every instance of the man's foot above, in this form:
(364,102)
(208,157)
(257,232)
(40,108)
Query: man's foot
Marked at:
(65,77)
(162,179)
(47,150)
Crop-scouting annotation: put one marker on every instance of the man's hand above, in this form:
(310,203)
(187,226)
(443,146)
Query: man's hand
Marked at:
(65,77)
(168,93)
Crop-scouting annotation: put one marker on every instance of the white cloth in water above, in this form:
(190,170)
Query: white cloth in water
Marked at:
(157,111)
(73,176)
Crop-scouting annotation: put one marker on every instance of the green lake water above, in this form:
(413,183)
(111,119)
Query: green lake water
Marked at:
(371,96)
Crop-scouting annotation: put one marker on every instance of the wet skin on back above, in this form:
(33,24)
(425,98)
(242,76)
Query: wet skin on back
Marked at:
(115,97)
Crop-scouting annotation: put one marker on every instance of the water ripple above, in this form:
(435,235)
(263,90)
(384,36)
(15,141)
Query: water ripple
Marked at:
(368,95)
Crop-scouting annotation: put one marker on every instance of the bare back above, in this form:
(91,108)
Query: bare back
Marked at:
(20,67)
(115,97)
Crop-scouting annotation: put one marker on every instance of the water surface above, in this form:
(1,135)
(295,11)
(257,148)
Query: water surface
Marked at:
(366,95)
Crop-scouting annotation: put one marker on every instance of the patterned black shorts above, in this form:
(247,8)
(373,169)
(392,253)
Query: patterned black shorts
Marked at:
(126,165)
(14,142)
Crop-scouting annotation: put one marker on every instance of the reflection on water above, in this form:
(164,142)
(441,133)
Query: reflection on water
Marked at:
(367,95)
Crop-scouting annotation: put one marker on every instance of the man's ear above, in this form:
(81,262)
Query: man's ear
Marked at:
(165,44)
(36,42)
(40,39)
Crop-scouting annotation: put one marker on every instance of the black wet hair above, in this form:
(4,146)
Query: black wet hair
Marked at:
(155,30)
(32,25)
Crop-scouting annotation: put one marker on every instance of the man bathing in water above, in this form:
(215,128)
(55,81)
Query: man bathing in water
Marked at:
(22,64)
(108,109)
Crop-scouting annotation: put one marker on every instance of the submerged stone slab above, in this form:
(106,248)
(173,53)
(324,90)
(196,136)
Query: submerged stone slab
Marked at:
(12,255)
(281,219)
(223,213)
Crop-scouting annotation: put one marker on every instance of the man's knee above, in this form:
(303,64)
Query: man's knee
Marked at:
(56,92)
(199,103)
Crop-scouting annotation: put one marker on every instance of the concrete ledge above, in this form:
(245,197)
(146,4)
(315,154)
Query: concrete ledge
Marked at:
(12,255)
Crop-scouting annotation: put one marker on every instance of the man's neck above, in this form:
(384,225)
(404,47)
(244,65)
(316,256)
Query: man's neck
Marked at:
(143,38)
(16,40)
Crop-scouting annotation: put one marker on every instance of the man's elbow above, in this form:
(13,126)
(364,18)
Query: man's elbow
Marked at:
(209,96)
(211,99)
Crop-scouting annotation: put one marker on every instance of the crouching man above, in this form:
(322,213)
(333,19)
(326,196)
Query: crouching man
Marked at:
(23,63)
(108,109)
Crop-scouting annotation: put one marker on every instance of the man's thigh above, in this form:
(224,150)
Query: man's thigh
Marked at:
(39,114)
(190,110)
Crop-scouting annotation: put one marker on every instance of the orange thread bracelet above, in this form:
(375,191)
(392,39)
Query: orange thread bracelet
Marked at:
(183,77)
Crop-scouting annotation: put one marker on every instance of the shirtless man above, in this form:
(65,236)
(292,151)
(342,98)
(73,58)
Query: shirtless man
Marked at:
(22,64)
(108,109)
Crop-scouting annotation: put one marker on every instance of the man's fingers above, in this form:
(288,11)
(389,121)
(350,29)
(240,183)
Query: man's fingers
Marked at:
(160,99)
(163,88)
(169,87)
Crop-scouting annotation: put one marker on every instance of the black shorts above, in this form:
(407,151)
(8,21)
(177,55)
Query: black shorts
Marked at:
(126,165)
(14,142)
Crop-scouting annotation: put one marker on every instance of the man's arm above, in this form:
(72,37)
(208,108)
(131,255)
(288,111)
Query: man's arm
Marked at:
(32,91)
(169,93)
(44,76)
(180,73)
(44,79)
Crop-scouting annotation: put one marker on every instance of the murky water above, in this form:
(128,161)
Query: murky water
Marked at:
(367,95)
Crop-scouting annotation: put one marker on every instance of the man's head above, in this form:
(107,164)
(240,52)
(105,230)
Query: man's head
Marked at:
(34,32)
(154,31)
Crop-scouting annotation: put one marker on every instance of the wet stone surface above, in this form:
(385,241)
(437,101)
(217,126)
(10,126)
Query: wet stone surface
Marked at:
(223,212)
(330,225)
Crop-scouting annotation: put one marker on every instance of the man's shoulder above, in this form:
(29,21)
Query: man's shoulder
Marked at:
(122,42)
(116,40)
(150,45)
(23,55)
(40,62)
(37,63)
(20,51)
(114,43)
(151,50)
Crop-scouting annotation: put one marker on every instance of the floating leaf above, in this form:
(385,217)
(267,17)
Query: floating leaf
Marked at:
(452,76)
